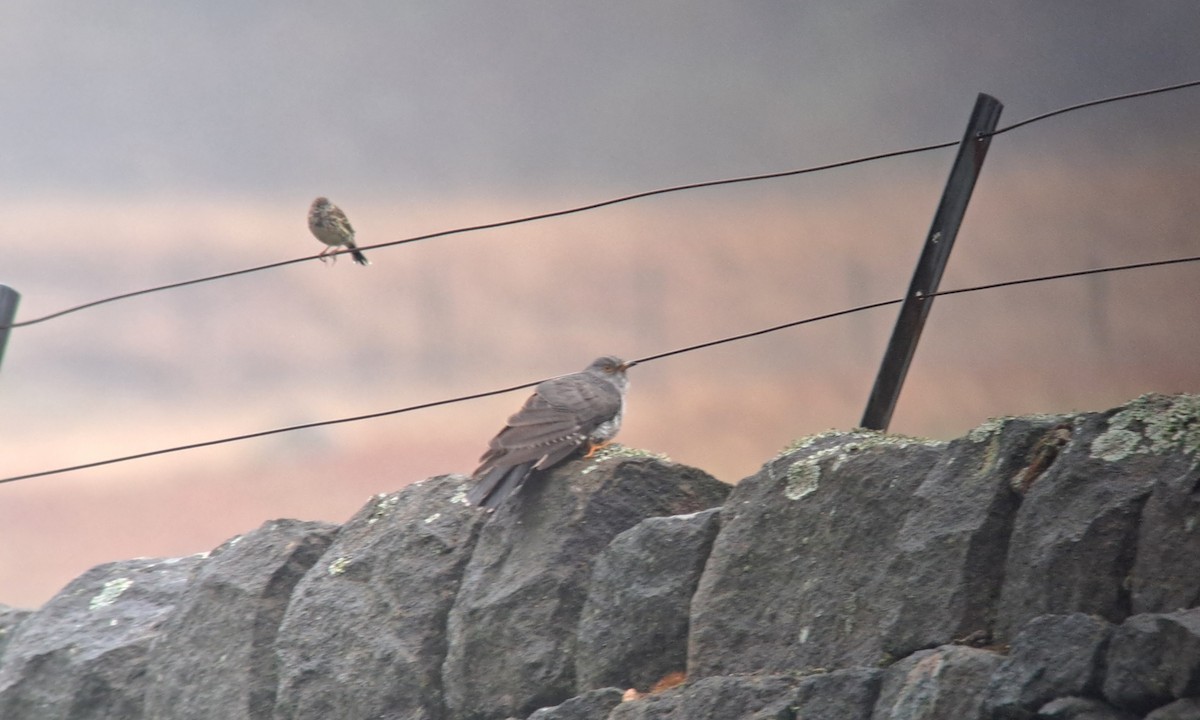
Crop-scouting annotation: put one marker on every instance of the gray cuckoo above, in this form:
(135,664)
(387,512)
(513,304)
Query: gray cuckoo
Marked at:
(563,415)
(330,225)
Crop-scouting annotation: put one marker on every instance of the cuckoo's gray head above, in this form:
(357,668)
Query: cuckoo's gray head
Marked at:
(610,368)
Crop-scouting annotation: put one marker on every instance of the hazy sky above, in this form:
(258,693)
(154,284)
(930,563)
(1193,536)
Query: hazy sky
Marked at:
(470,97)
(155,142)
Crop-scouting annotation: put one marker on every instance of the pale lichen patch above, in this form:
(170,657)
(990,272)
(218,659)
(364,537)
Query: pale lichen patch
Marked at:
(993,426)
(984,432)
(339,565)
(108,595)
(1151,424)
(804,476)
(614,451)
(383,505)
(810,440)
(1116,444)
(862,438)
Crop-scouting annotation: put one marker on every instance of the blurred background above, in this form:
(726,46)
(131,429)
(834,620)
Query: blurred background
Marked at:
(148,143)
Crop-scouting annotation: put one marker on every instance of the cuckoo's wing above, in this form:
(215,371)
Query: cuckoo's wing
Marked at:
(554,421)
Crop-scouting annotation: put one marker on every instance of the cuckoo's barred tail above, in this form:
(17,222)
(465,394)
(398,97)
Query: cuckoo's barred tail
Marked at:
(497,484)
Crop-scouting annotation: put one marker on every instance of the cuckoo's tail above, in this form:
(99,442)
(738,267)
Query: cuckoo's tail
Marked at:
(497,484)
(358,256)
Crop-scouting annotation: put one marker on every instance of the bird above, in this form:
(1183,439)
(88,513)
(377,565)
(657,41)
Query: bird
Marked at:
(564,414)
(331,226)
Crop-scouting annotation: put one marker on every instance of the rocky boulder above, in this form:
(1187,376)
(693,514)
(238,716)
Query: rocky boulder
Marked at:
(1054,656)
(797,578)
(634,626)
(512,629)
(84,655)
(215,655)
(364,634)
(1075,542)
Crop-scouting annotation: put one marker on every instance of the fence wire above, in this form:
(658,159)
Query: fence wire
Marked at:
(638,361)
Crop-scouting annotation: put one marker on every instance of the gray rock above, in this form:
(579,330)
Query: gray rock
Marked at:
(848,694)
(945,683)
(1164,577)
(1186,709)
(634,625)
(593,705)
(1154,659)
(1076,534)
(83,655)
(1078,708)
(949,566)
(1053,656)
(840,695)
(727,698)
(660,706)
(797,575)
(10,618)
(512,629)
(215,656)
(364,636)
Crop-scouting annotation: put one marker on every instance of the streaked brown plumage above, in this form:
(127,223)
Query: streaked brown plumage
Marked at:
(331,226)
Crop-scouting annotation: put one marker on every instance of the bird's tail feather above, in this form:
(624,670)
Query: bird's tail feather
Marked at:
(497,484)
(358,256)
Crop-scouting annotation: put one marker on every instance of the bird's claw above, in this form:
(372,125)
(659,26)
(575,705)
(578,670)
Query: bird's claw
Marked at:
(593,448)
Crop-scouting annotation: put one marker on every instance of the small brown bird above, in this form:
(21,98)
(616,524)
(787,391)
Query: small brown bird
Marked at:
(331,226)
(564,414)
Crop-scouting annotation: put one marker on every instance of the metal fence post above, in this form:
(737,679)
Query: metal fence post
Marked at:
(8,310)
(934,256)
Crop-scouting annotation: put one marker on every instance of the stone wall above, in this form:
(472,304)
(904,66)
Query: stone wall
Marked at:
(1038,567)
